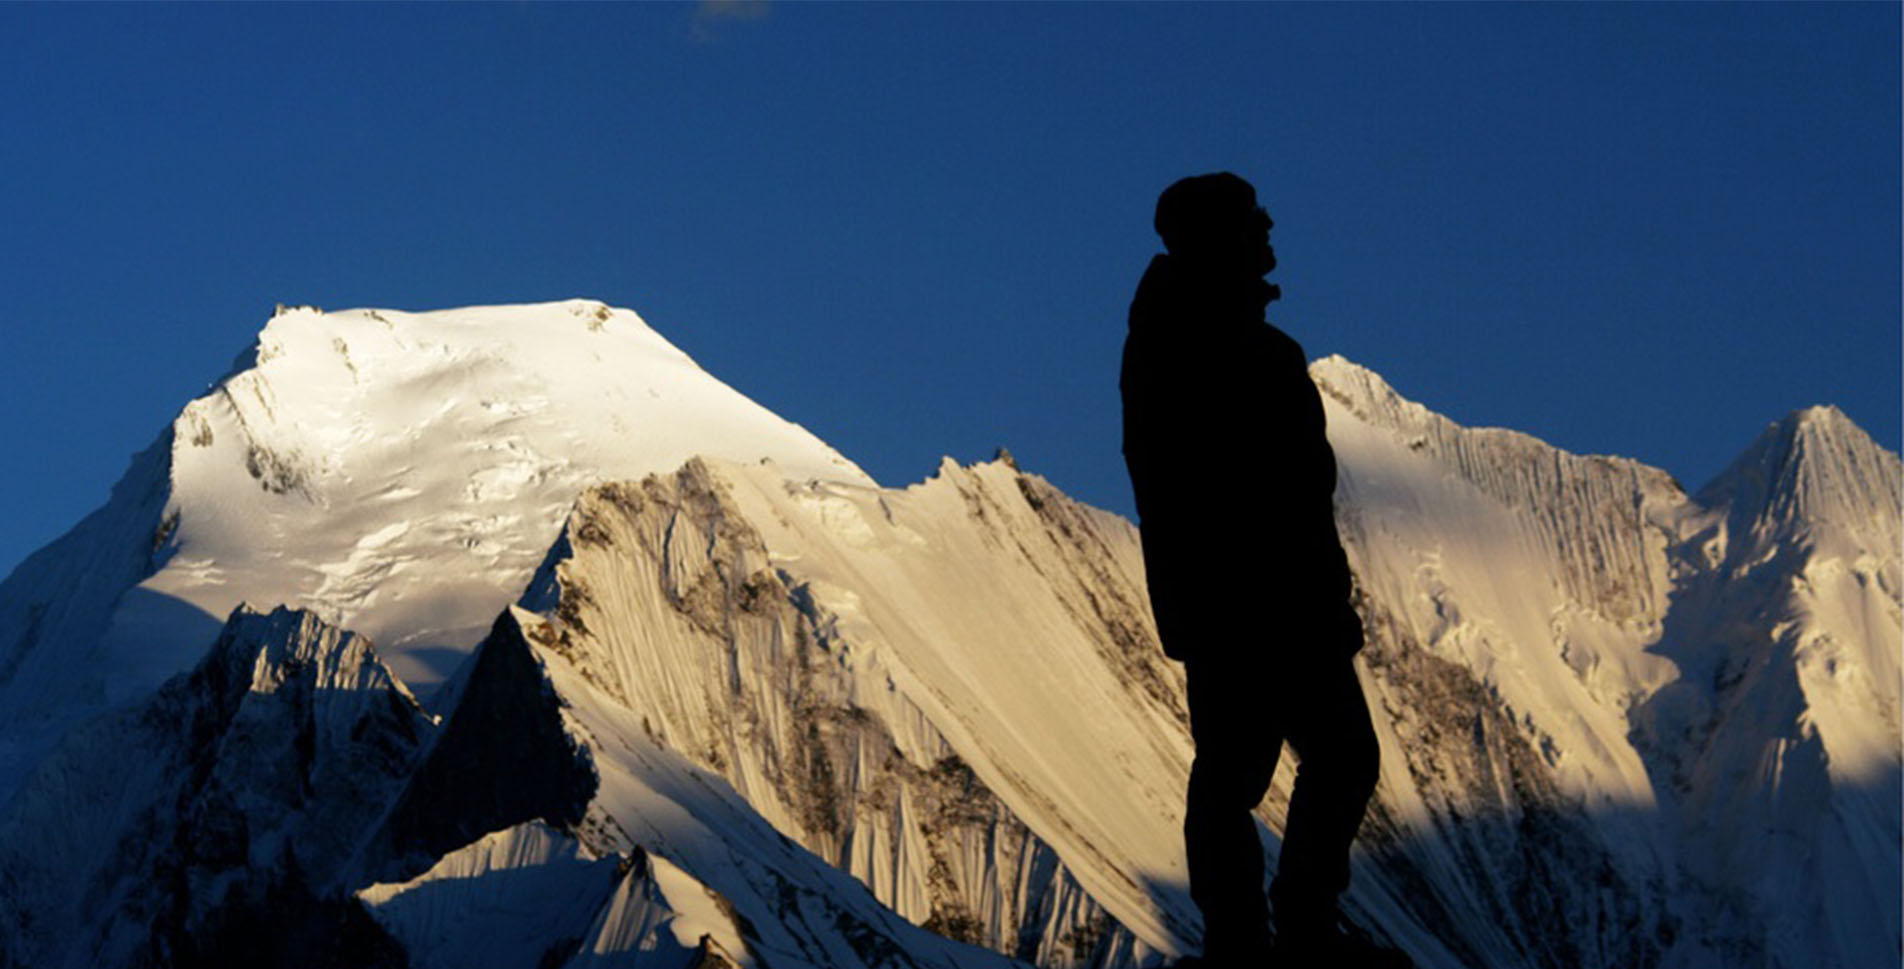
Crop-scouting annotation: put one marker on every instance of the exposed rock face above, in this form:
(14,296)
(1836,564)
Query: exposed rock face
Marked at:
(503,757)
(215,822)
(669,604)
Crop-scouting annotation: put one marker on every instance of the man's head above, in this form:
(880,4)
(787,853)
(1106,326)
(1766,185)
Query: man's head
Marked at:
(1214,220)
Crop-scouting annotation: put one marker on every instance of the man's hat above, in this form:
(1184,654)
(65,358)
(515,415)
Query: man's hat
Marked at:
(1192,207)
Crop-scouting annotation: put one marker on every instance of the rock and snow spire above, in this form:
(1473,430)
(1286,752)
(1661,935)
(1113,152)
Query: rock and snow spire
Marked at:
(1812,476)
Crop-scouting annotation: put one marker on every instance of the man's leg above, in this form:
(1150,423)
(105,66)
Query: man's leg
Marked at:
(1237,749)
(1337,769)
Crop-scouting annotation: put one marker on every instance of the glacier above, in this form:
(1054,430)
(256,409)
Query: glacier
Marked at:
(576,656)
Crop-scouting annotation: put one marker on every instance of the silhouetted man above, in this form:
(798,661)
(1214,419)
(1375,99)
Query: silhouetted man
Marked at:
(1234,478)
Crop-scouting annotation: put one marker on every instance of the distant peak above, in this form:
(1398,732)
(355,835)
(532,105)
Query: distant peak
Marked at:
(1822,419)
(1365,394)
(1799,437)
(1336,362)
(1814,464)
(1338,370)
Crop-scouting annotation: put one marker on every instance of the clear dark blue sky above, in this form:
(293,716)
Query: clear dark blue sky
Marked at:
(1636,229)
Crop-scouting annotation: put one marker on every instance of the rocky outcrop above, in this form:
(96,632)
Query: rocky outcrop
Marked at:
(503,757)
(216,822)
(665,599)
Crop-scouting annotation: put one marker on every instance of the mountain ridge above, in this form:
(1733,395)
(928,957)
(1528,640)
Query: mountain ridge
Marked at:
(928,689)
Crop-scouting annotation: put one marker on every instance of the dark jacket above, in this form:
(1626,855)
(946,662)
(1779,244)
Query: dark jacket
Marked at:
(1234,477)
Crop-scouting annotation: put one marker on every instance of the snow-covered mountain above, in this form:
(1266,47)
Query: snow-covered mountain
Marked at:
(399,474)
(697,691)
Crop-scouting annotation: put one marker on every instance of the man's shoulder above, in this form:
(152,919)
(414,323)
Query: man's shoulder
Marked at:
(1157,283)
(1279,337)
(1283,346)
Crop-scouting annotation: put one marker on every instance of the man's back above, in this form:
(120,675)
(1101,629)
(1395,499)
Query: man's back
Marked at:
(1214,393)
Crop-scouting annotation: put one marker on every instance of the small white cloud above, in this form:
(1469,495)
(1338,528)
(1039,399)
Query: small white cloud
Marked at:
(731,10)
(709,14)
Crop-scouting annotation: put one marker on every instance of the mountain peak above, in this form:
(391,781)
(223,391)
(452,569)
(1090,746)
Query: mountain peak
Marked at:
(1365,394)
(264,652)
(388,449)
(398,473)
(1817,467)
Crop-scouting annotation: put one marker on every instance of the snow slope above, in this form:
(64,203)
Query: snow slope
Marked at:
(401,474)
(932,688)
(1702,691)
(1779,747)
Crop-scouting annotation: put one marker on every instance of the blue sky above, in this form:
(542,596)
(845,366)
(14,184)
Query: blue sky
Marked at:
(1636,229)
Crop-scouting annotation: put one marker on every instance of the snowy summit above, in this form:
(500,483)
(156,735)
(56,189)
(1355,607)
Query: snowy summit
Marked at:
(400,474)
